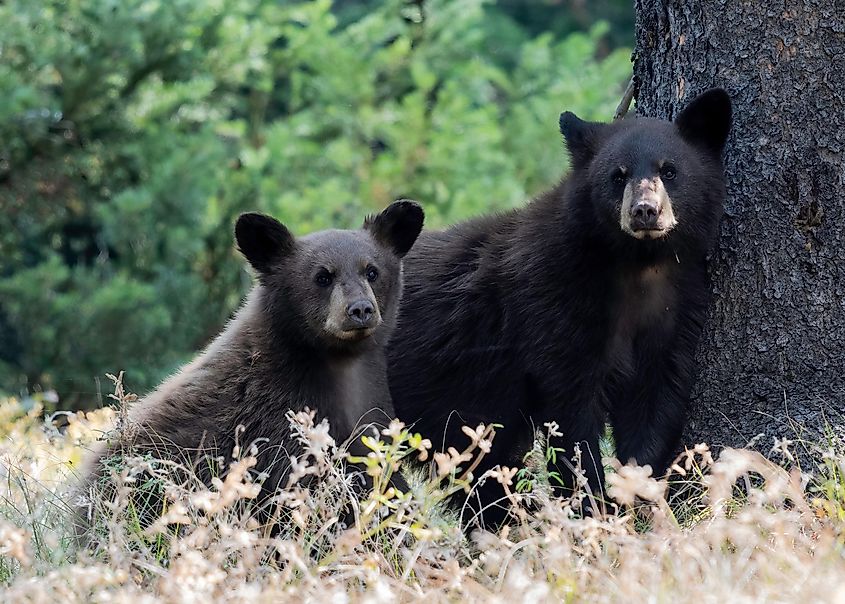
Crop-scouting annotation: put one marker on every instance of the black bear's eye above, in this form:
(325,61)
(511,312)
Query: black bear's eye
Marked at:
(668,171)
(372,273)
(323,278)
(620,175)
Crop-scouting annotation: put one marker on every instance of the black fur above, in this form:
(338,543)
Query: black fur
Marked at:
(397,226)
(292,345)
(551,312)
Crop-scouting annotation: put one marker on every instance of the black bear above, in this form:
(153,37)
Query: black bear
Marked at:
(312,332)
(583,306)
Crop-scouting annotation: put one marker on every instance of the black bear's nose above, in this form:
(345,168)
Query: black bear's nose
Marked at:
(361,312)
(644,214)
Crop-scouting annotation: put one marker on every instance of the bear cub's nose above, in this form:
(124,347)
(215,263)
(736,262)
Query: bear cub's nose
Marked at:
(644,215)
(361,313)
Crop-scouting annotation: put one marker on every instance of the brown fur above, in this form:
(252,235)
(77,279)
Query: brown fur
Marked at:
(293,344)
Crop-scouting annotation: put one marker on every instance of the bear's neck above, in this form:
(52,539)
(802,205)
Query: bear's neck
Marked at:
(293,372)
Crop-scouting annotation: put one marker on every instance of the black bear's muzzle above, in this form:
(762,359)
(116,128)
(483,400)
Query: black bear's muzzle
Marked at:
(645,214)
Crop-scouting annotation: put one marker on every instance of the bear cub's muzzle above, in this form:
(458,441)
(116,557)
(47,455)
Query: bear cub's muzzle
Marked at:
(360,315)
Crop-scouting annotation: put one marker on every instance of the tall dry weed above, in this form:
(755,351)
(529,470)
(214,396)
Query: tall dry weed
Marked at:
(741,528)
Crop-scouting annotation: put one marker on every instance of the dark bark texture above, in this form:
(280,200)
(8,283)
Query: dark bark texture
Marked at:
(772,357)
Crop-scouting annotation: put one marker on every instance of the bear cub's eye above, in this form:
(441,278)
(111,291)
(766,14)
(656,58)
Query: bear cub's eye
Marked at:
(372,273)
(668,171)
(620,175)
(323,278)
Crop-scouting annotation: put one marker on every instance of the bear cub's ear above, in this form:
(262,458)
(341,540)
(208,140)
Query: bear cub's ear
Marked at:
(397,226)
(582,138)
(706,121)
(263,240)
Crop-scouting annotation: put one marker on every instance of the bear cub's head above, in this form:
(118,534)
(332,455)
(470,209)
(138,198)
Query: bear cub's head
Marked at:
(652,180)
(335,289)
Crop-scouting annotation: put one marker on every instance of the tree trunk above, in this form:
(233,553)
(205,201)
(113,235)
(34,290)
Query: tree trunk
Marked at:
(772,357)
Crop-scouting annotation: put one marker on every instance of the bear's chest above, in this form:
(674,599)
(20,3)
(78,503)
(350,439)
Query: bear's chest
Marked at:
(350,390)
(641,316)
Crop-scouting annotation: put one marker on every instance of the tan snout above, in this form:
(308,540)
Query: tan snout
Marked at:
(646,211)
(352,315)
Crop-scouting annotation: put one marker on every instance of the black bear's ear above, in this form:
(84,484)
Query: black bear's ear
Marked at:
(582,138)
(263,240)
(397,226)
(706,121)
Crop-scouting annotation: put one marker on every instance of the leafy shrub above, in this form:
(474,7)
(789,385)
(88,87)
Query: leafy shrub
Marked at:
(132,133)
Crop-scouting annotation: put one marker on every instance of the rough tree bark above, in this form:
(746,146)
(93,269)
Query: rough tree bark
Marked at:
(772,357)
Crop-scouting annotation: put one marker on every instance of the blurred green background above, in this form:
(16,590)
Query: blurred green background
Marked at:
(133,132)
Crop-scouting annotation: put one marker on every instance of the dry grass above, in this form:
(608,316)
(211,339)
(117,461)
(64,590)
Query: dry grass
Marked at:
(740,529)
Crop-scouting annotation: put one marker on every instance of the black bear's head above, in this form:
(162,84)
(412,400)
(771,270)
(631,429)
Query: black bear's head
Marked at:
(652,180)
(333,288)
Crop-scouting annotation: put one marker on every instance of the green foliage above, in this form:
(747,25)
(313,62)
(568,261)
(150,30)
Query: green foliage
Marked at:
(133,132)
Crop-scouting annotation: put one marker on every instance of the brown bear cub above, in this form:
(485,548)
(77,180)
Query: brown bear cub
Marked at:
(311,333)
